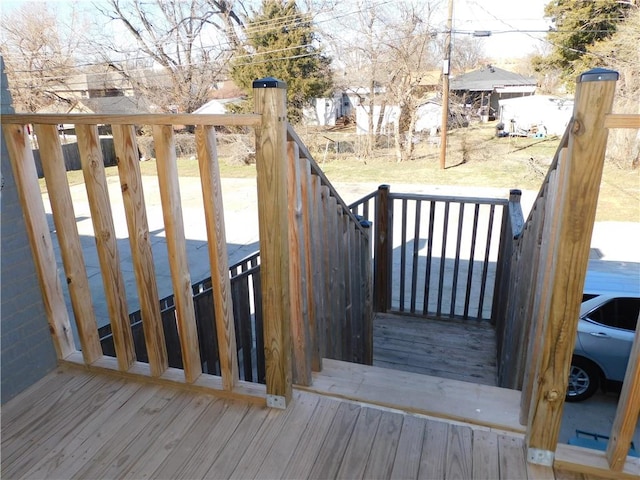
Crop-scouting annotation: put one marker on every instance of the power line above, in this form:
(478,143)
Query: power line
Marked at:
(225,46)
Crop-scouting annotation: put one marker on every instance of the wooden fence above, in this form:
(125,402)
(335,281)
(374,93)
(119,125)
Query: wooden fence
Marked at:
(545,262)
(71,155)
(314,262)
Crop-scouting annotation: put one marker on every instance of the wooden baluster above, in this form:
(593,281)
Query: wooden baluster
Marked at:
(310,250)
(124,138)
(337,277)
(218,256)
(329,297)
(166,164)
(26,177)
(319,267)
(300,335)
(70,247)
(106,242)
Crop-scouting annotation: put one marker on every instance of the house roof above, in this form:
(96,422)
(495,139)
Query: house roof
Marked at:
(489,78)
(116,105)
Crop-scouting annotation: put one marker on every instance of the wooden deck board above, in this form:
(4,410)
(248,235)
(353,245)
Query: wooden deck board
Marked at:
(194,463)
(455,400)
(235,448)
(160,447)
(282,449)
(407,460)
(303,458)
(356,455)
(64,415)
(459,453)
(330,454)
(434,450)
(511,457)
(459,350)
(65,452)
(278,424)
(385,446)
(133,437)
(485,460)
(102,426)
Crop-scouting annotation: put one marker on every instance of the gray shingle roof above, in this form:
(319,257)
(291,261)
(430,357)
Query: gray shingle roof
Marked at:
(488,78)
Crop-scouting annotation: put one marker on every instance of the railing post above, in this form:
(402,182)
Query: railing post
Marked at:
(271,165)
(577,197)
(382,252)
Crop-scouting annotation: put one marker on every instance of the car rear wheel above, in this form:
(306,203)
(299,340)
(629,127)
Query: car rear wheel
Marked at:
(583,380)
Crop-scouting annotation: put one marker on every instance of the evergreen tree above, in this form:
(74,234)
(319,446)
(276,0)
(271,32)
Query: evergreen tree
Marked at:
(579,25)
(281,42)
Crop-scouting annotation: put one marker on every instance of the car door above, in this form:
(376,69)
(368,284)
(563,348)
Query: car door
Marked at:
(606,334)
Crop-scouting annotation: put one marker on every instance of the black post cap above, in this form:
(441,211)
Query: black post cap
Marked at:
(269,82)
(598,75)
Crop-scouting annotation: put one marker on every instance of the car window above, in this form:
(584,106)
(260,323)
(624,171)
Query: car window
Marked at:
(618,313)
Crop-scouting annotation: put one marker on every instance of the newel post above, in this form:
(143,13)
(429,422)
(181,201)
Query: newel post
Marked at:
(382,251)
(577,197)
(270,96)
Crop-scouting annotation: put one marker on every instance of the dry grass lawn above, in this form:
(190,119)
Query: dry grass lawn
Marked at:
(475,157)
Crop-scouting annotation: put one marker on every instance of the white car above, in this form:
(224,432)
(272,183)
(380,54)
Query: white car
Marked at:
(605,336)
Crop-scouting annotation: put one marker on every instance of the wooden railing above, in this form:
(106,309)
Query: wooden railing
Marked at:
(445,263)
(541,292)
(314,260)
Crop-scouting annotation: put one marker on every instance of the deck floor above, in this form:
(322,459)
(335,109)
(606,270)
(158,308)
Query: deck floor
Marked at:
(77,424)
(458,350)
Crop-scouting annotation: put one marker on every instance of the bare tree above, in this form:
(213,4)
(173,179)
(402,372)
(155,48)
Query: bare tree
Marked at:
(413,58)
(387,54)
(39,56)
(362,59)
(621,53)
(468,54)
(182,47)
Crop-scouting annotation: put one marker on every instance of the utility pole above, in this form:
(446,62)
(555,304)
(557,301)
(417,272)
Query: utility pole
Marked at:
(445,88)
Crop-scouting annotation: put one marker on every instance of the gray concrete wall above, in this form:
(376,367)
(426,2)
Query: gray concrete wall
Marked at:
(26,349)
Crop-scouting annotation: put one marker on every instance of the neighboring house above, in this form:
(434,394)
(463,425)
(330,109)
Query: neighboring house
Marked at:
(390,118)
(95,85)
(549,114)
(325,111)
(225,93)
(218,105)
(429,116)
(100,93)
(481,90)
(354,101)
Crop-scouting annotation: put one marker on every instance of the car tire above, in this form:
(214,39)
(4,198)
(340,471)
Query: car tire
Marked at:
(584,379)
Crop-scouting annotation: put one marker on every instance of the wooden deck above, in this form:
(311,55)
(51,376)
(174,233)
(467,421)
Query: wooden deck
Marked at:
(76,424)
(459,350)
(79,424)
